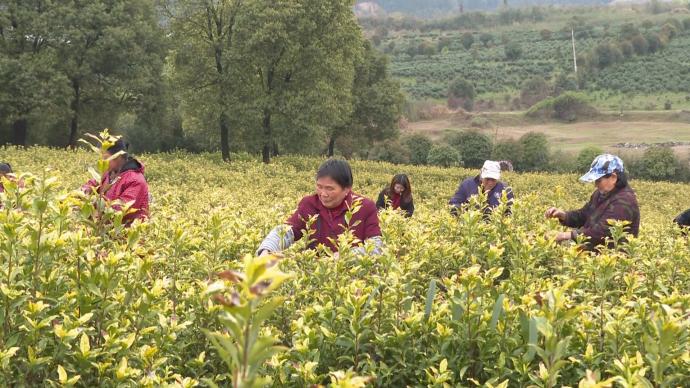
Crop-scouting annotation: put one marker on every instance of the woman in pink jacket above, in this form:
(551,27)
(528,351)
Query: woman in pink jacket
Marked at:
(124,181)
(5,171)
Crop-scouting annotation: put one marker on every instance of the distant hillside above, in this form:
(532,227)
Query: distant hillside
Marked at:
(628,56)
(436,8)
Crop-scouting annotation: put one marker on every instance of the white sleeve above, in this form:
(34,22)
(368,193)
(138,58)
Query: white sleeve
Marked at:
(280,238)
(378,246)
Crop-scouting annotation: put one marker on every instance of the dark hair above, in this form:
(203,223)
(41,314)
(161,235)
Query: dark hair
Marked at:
(5,168)
(403,180)
(338,170)
(120,145)
(622,179)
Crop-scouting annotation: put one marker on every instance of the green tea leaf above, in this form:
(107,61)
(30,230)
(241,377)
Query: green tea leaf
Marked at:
(62,374)
(84,344)
(498,309)
(431,292)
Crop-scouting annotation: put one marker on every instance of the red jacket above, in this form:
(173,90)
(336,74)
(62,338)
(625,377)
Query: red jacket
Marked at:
(12,178)
(330,222)
(128,185)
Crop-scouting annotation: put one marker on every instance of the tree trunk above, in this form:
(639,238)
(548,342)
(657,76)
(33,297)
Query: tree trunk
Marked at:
(331,147)
(224,137)
(76,110)
(19,128)
(224,121)
(266,152)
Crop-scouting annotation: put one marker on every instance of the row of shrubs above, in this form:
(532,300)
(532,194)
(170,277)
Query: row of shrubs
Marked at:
(632,41)
(530,152)
(555,98)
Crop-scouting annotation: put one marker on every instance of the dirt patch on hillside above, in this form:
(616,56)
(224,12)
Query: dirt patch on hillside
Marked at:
(572,137)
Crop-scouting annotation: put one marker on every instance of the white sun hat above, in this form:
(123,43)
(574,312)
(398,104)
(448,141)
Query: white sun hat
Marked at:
(491,170)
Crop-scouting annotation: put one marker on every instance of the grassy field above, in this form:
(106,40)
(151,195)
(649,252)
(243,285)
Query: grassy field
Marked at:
(605,132)
(601,100)
(613,101)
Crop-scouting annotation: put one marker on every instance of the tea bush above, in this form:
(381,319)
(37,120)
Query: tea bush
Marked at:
(450,302)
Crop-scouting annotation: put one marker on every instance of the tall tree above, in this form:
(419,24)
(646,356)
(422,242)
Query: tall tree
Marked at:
(26,64)
(300,55)
(107,49)
(377,102)
(204,38)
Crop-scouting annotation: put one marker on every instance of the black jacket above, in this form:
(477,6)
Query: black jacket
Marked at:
(683,219)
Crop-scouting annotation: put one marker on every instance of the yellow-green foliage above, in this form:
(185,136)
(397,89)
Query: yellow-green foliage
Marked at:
(450,302)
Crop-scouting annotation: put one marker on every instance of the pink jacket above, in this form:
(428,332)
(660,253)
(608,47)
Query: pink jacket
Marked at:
(128,185)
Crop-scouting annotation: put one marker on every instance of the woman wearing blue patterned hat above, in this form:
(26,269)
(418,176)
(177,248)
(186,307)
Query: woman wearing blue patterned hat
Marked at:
(613,199)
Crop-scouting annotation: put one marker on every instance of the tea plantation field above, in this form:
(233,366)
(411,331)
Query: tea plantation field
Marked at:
(450,302)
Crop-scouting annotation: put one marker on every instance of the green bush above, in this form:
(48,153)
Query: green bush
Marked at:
(390,151)
(658,164)
(543,109)
(654,42)
(670,31)
(677,24)
(480,122)
(626,49)
(564,82)
(467,40)
(512,51)
(474,147)
(545,34)
(586,156)
(444,43)
(562,162)
(418,147)
(536,151)
(487,38)
(511,150)
(640,45)
(607,54)
(534,90)
(461,94)
(568,106)
(426,48)
(444,155)
(628,31)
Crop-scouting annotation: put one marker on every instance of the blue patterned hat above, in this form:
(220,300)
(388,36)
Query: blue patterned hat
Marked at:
(603,165)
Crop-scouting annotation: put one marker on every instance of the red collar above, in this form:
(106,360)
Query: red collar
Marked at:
(340,209)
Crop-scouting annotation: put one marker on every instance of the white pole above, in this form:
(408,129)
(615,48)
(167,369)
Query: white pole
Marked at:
(572,34)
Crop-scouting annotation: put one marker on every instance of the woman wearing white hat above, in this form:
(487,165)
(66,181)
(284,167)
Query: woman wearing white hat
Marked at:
(489,182)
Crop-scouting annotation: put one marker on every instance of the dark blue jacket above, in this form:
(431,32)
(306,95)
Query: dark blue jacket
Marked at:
(470,187)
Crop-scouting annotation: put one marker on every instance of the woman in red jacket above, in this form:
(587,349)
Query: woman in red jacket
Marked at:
(5,171)
(328,208)
(124,181)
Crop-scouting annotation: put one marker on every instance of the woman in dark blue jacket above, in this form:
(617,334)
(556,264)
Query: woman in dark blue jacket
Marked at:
(489,182)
